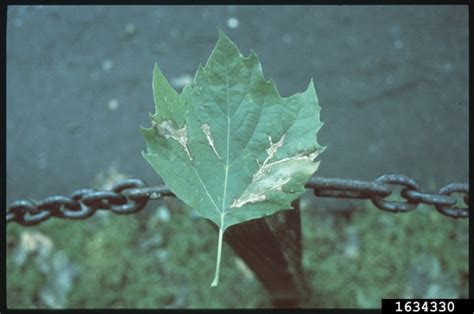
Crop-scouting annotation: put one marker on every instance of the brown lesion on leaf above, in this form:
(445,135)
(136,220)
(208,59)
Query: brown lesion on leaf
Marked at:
(166,128)
(206,129)
(259,191)
(269,176)
(271,151)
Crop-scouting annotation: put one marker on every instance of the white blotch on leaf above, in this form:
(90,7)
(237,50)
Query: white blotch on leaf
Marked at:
(257,192)
(207,131)
(166,129)
(272,176)
(271,151)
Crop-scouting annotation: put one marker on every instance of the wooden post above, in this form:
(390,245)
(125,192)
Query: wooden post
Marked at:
(271,247)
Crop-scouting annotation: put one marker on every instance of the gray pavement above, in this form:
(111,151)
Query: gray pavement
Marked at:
(392,83)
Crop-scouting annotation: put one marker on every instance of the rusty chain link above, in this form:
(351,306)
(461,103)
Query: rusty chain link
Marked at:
(382,187)
(125,197)
(132,195)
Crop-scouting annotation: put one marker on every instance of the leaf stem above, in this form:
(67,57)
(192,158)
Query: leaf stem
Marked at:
(215,282)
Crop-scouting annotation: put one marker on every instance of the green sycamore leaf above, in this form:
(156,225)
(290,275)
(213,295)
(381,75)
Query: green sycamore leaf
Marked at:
(229,146)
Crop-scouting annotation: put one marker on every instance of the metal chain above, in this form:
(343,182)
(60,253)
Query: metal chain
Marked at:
(132,195)
(382,187)
(125,197)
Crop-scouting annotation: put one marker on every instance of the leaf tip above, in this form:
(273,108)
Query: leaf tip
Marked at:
(224,40)
(311,84)
(222,36)
(156,71)
(221,33)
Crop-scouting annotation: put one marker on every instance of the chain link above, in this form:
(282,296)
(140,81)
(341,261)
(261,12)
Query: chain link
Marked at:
(382,186)
(132,195)
(125,197)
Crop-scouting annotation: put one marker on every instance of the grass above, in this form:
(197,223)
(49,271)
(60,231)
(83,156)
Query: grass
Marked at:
(164,258)
(358,260)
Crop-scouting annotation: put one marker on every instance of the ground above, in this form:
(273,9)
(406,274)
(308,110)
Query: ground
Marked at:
(392,83)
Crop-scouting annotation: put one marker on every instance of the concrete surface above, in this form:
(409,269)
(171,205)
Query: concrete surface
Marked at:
(392,83)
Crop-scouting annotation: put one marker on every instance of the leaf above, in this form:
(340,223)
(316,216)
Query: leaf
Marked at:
(229,146)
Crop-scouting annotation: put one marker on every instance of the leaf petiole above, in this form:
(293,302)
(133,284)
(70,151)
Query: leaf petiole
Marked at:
(215,282)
